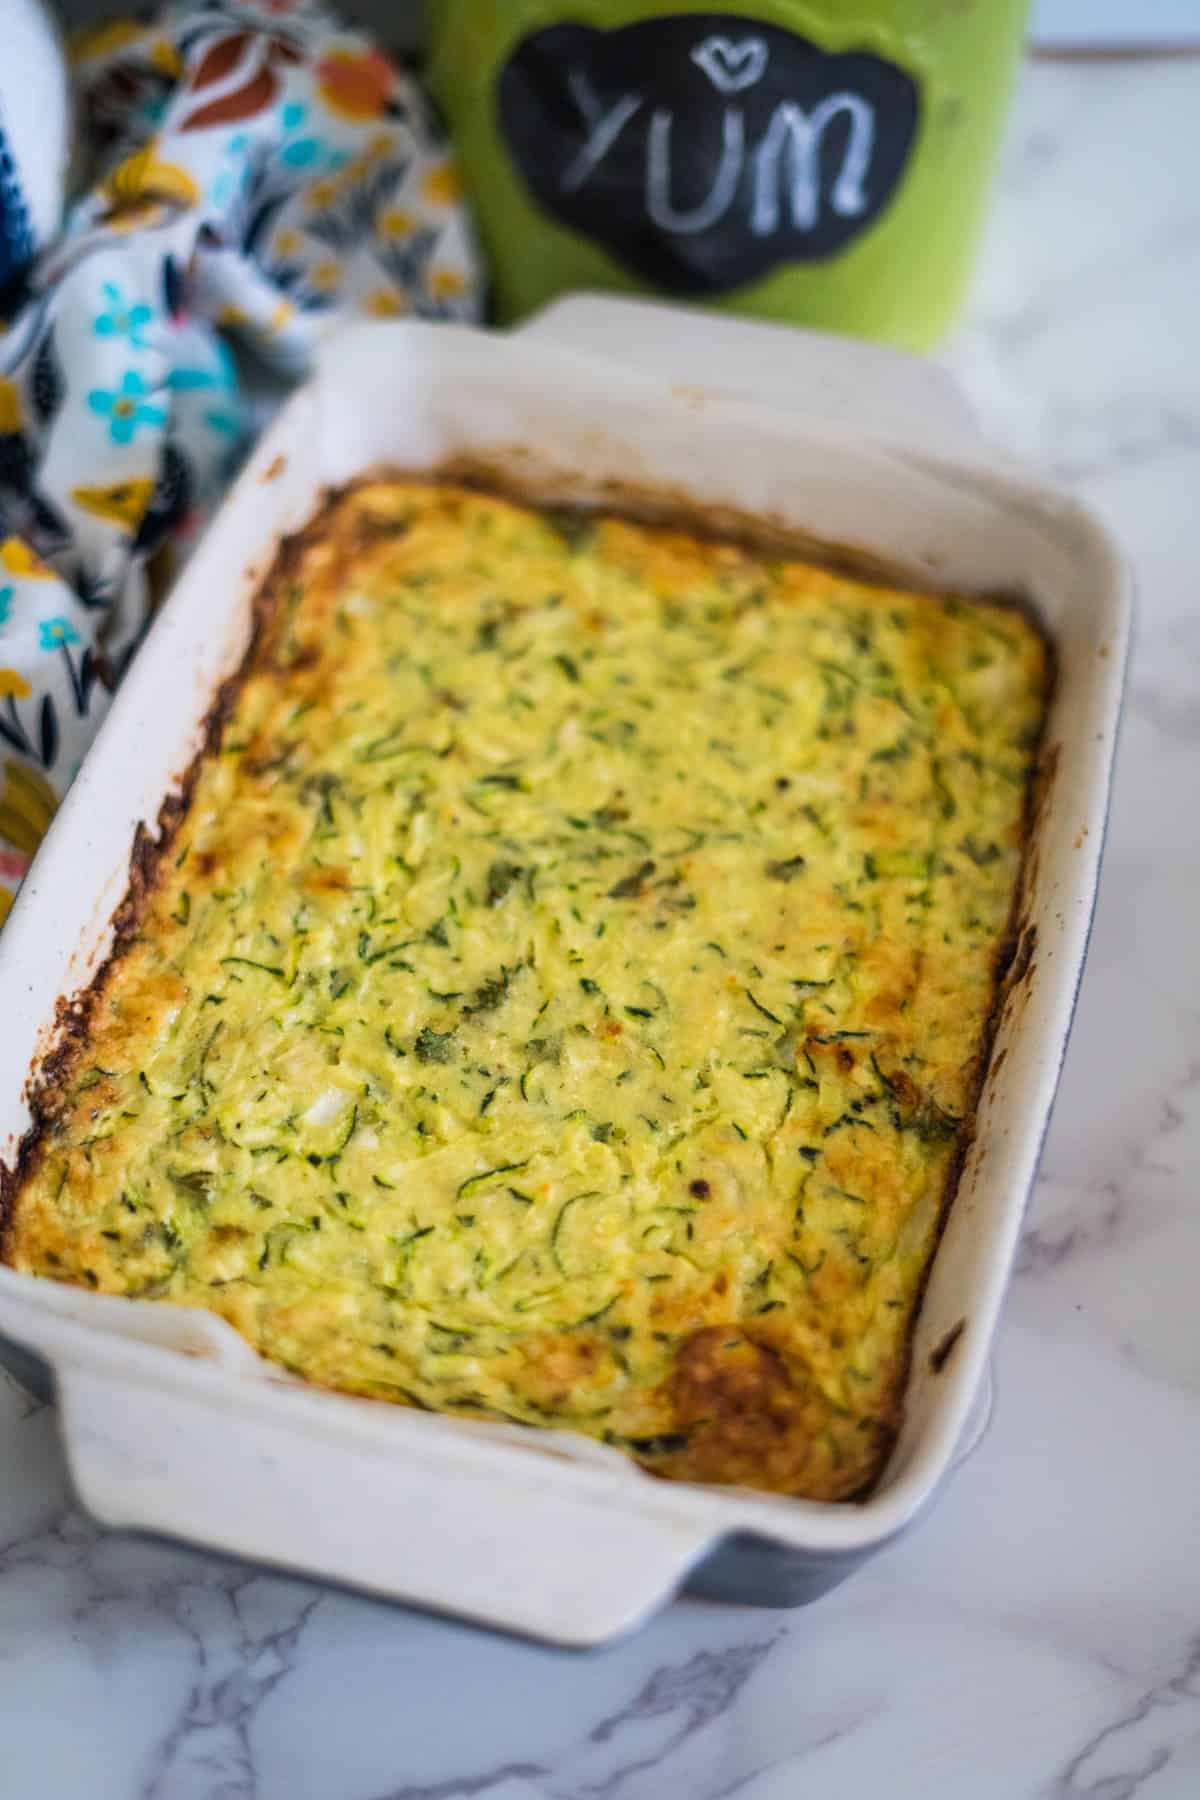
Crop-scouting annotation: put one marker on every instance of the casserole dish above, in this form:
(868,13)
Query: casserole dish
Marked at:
(551,1536)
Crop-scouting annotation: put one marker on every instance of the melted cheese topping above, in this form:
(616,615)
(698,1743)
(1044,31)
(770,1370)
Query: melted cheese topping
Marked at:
(564,997)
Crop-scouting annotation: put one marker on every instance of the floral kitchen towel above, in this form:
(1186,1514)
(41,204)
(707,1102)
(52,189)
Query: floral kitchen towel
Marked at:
(254,171)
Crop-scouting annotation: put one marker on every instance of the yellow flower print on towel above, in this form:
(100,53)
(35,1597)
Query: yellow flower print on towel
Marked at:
(143,181)
(121,503)
(106,42)
(19,559)
(385,303)
(27,805)
(442,186)
(11,416)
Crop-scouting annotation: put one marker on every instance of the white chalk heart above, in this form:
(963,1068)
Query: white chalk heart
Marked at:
(732,67)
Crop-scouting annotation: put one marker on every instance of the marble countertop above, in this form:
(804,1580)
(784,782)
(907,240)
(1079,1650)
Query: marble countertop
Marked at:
(1038,1635)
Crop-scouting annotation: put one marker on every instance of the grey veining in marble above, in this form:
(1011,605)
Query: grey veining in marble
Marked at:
(1038,1636)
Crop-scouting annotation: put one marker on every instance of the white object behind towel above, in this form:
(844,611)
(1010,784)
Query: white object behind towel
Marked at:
(34,132)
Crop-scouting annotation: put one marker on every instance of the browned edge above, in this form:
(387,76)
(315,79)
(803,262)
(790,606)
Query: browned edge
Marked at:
(72,1017)
(944,1349)
(1013,964)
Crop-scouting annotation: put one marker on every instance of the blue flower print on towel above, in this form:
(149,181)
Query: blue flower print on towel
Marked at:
(121,320)
(235,173)
(54,633)
(225,423)
(6,600)
(126,407)
(306,152)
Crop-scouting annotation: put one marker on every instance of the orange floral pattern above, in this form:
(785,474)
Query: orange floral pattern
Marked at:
(356,84)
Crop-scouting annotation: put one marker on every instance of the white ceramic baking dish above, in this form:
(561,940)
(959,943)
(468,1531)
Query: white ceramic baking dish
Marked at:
(171,1423)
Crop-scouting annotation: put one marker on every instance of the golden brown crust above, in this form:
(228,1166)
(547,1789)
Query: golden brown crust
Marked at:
(736,1308)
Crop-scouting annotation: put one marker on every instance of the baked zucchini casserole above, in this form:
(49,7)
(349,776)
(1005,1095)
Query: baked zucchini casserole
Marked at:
(563,991)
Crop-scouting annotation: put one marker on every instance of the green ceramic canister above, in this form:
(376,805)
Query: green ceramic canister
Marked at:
(819,161)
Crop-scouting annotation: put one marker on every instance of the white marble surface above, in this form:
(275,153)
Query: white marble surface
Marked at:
(1039,1633)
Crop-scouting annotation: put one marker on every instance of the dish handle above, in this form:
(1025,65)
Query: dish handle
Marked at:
(843,381)
(552,1548)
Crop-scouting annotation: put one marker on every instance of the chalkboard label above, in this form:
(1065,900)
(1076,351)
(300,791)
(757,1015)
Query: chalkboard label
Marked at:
(705,149)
